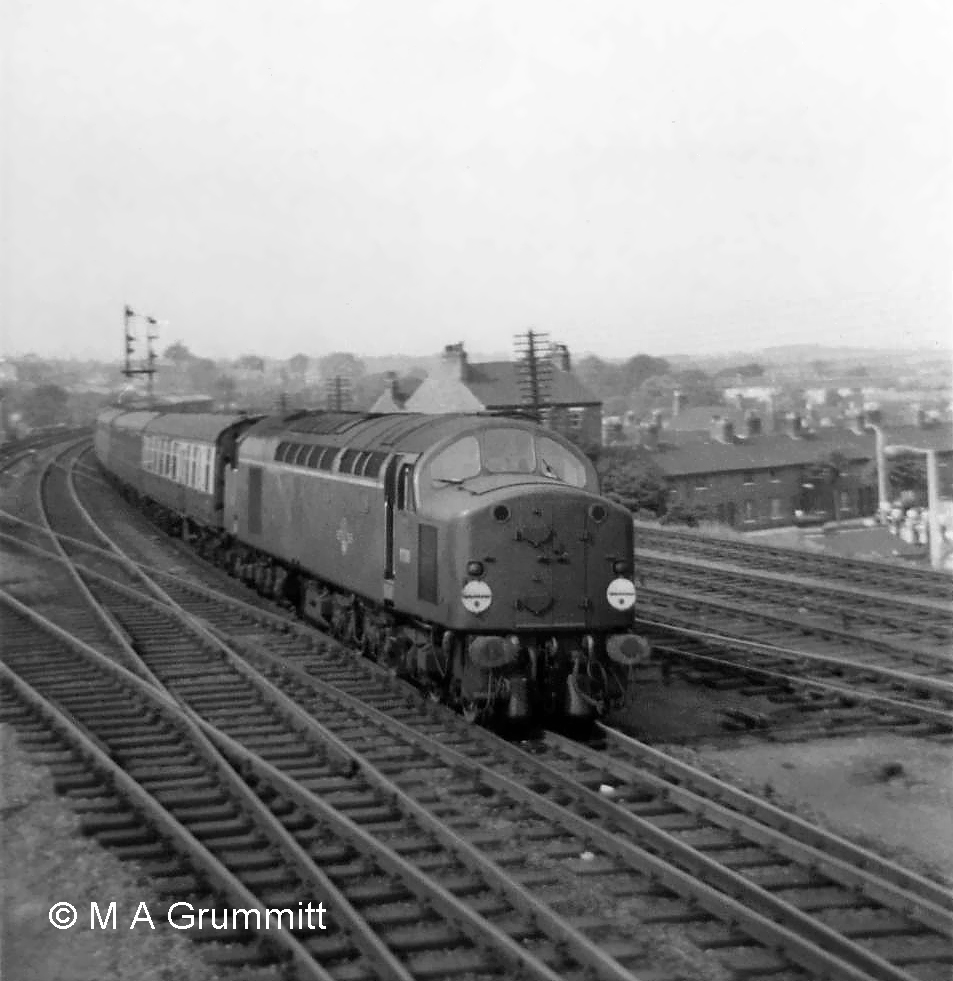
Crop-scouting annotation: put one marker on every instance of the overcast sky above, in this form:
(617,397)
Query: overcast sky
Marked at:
(390,176)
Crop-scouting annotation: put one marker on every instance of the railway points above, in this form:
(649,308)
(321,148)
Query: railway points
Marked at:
(377,729)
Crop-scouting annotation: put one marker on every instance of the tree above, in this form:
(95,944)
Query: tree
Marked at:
(907,472)
(202,374)
(826,475)
(298,364)
(631,478)
(46,405)
(640,367)
(225,390)
(251,362)
(341,363)
(750,370)
(178,353)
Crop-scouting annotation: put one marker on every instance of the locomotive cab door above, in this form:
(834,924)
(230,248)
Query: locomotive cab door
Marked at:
(390,501)
(398,500)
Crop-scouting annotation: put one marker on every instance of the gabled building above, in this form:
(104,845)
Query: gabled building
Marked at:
(456,385)
(394,397)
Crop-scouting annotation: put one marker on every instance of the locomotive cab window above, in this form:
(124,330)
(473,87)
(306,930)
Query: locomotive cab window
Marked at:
(508,451)
(457,462)
(558,463)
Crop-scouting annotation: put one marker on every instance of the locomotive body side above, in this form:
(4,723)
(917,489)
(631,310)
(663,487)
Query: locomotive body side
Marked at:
(321,521)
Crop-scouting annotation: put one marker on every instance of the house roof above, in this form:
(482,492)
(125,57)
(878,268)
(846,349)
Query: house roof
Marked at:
(698,456)
(698,419)
(496,384)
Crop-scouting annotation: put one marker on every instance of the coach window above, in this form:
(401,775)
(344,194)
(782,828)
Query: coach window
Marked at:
(457,462)
(508,451)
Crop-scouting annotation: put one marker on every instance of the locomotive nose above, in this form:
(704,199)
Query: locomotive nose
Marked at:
(555,545)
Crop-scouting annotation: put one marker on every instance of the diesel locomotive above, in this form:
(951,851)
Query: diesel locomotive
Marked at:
(471,553)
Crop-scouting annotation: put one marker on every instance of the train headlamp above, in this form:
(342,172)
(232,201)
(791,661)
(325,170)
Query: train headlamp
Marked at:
(475,569)
(622,568)
(621,594)
(476,596)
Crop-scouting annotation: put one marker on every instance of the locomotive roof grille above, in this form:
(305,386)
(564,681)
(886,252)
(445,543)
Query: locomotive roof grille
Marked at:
(347,461)
(374,463)
(327,457)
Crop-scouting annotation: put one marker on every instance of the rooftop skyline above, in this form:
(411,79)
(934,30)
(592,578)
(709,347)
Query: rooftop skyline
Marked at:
(389,178)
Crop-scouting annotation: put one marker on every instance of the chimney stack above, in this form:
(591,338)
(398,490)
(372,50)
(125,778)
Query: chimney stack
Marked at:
(648,436)
(855,420)
(792,425)
(455,361)
(561,357)
(752,424)
(678,403)
(722,430)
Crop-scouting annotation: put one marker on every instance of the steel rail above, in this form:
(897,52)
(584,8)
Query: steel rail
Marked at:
(678,774)
(939,689)
(555,926)
(365,938)
(897,573)
(558,928)
(902,631)
(809,942)
(461,759)
(768,894)
(143,800)
(814,584)
(801,624)
(367,941)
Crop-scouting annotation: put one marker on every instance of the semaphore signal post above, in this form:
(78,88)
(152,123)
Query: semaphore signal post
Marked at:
(148,368)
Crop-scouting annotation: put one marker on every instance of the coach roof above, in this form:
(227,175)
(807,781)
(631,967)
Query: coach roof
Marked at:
(206,426)
(132,420)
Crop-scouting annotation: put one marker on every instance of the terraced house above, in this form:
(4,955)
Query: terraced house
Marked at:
(755,480)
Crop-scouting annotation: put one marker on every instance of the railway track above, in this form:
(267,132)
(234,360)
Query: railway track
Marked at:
(403,894)
(386,733)
(896,579)
(910,620)
(796,694)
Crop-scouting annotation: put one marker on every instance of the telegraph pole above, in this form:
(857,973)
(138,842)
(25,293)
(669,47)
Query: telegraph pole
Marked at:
(534,371)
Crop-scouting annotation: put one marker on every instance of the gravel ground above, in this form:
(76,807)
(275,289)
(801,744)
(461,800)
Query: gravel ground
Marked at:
(45,860)
(893,794)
